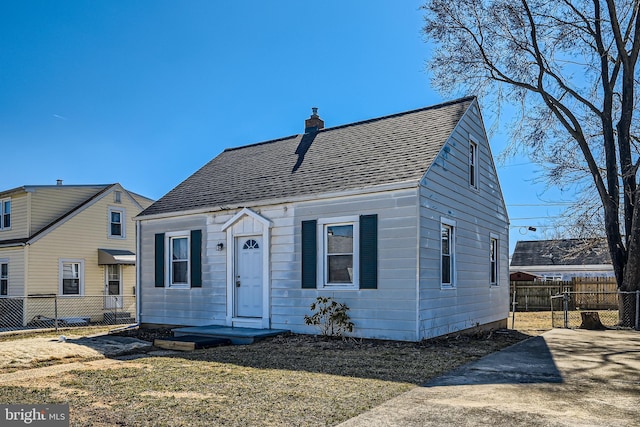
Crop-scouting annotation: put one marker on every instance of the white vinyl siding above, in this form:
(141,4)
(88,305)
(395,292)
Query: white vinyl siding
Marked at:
(445,193)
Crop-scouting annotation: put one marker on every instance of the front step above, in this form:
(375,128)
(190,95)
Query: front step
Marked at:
(237,336)
(189,342)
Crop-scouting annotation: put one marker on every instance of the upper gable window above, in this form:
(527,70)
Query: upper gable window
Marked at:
(117,197)
(5,214)
(116,223)
(473,164)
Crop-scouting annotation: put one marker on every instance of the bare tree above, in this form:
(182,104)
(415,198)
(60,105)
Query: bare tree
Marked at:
(570,68)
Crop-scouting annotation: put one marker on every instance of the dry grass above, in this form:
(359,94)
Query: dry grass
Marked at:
(530,322)
(51,333)
(285,381)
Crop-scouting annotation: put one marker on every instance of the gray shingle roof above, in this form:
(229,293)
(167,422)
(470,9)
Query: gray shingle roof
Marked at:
(561,252)
(385,150)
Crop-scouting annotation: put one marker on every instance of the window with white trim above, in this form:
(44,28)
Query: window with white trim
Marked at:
(473,164)
(117,223)
(71,277)
(493,260)
(4,277)
(338,263)
(5,214)
(179,260)
(447,253)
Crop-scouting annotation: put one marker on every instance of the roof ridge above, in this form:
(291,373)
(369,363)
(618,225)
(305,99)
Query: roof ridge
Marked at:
(71,211)
(360,122)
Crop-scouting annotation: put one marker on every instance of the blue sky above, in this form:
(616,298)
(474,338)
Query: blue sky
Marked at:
(146,92)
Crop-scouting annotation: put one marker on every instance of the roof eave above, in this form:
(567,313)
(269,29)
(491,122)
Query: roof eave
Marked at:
(302,198)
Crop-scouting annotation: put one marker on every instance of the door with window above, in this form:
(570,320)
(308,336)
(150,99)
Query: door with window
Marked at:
(248,277)
(113,286)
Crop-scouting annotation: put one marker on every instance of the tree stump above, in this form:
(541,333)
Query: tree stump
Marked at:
(591,321)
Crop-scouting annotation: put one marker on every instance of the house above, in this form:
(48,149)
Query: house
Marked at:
(523,276)
(562,259)
(67,240)
(399,217)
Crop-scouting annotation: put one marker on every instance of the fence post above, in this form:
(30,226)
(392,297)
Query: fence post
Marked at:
(565,307)
(513,308)
(55,311)
(637,309)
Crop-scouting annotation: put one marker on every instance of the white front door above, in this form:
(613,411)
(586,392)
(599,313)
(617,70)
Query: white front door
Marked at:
(113,286)
(248,277)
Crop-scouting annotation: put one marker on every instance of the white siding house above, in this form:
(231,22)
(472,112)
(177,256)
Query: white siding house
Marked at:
(400,217)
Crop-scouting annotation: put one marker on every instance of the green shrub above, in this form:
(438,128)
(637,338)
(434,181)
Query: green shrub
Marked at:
(330,317)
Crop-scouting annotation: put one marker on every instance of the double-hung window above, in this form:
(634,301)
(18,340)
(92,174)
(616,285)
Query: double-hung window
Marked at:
(4,277)
(178,259)
(340,253)
(5,214)
(493,260)
(339,260)
(179,265)
(71,277)
(116,223)
(447,253)
(473,164)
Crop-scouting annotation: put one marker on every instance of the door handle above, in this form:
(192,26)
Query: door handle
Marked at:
(237,283)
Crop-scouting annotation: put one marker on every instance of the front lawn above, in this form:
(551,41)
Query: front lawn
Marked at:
(292,380)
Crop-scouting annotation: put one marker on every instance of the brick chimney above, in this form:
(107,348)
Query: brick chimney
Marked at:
(314,123)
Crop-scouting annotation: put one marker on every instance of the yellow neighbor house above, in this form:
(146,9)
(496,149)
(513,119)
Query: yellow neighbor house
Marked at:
(74,242)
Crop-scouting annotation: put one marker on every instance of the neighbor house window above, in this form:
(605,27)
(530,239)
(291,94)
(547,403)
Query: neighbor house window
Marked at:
(493,257)
(447,252)
(4,278)
(71,277)
(339,261)
(5,214)
(116,223)
(473,164)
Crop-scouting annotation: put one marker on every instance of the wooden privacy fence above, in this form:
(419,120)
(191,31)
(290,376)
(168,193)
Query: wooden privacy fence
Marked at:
(590,294)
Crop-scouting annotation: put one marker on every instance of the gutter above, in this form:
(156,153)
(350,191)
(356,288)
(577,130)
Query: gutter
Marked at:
(298,199)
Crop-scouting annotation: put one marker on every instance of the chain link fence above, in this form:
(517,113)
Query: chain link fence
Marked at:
(54,311)
(577,309)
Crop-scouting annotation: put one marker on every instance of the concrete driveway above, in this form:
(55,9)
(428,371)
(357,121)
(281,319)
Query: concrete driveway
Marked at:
(562,378)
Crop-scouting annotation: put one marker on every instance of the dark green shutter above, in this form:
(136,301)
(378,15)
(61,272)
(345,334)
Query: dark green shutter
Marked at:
(368,251)
(159,260)
(196,258)
(309,254)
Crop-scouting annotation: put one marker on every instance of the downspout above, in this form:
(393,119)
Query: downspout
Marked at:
(138,275)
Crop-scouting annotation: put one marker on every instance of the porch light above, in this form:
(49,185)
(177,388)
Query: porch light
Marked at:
(220,246)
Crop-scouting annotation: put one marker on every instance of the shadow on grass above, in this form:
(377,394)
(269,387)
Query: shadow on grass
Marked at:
(395,361)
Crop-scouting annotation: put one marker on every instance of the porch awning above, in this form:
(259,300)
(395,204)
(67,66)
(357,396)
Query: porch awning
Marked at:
(116,256)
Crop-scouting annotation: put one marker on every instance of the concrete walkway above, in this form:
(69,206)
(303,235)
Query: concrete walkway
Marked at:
(561,378)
